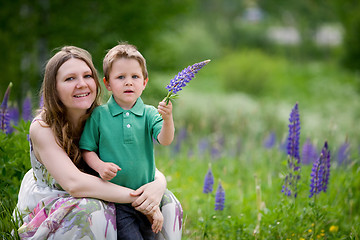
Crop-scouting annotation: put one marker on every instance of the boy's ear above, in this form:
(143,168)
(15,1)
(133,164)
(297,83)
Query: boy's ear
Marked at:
(107,84)
(146,81)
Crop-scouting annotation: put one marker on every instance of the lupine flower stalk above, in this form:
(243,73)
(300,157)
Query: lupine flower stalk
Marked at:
(309,153)
(320,172)
(270,140)
(182,78)
(343,153)
(220,198)
(208,182)
(4,113)
(27,109)
(290,182)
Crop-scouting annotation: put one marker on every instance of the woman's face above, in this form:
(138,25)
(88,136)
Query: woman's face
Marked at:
(76,86)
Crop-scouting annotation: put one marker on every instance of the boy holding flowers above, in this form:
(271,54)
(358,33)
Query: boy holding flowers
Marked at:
(117,140)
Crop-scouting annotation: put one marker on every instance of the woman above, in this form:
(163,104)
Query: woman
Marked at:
(56,199)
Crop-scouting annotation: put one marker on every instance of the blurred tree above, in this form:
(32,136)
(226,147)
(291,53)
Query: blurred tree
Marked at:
(29,30)
(349,14)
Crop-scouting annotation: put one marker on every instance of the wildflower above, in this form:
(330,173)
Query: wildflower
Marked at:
(270,140)
(26,110)
(290,182)
(4,114)
(13,114)
(320,172)
(208,182)
(203,145)
(215,152)
(294,134)
(179,81)
(333,229)
(309,153)
(343,153)
(220,198)
(179,140)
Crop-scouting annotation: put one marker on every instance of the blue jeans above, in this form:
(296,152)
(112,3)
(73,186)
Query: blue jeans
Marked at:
(132,224)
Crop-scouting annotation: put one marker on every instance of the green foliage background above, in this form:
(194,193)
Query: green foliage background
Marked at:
(171,34)
(245,92)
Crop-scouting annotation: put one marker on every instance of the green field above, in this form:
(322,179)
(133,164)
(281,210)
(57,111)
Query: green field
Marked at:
(222,119)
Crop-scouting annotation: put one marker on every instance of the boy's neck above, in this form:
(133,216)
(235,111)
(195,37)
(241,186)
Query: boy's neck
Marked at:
(126,107)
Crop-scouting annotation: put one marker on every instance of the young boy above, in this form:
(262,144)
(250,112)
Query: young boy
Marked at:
(118,137)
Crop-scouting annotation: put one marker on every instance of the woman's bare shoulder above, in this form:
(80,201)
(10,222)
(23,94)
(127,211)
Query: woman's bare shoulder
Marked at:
(39,128)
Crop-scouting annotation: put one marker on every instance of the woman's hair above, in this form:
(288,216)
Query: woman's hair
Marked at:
(54,112)
(123,50)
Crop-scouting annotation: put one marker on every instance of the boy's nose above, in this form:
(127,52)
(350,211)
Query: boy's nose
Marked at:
(128,82)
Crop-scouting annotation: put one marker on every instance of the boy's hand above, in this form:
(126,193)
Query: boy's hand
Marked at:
(165,110)
(108,171)
(156,219)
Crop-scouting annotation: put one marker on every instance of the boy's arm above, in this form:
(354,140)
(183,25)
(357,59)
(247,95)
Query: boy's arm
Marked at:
(106,170)
(166,134)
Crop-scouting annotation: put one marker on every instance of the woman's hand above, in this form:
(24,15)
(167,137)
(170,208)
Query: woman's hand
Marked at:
(150,194)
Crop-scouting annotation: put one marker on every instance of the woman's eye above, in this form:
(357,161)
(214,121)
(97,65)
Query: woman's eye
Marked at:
(88,76)
(69,79)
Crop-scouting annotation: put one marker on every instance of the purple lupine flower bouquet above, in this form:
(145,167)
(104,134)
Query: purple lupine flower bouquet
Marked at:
(181,79)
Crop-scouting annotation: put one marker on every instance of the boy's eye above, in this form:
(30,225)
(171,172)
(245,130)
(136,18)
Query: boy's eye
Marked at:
(121,77)
(135,76)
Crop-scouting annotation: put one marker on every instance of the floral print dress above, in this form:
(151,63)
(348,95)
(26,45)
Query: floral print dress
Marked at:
(48,212)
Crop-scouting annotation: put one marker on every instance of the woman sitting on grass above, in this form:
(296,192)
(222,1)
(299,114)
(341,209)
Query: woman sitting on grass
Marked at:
(57,198)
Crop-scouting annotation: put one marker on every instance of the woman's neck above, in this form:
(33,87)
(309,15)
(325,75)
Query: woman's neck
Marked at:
(74,117)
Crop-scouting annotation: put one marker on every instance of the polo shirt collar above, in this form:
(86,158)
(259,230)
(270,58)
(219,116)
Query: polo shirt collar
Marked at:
(115,109)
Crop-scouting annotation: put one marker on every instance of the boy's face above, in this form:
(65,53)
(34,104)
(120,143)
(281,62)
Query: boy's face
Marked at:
(126,81)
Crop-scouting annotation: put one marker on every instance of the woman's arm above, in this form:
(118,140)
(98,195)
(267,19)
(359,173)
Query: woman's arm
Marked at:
(150,194)
(70,178)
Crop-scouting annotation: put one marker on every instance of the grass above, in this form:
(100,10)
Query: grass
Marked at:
(226,129)
(281,217)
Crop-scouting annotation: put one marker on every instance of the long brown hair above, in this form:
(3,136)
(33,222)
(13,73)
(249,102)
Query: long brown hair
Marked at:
(54,112)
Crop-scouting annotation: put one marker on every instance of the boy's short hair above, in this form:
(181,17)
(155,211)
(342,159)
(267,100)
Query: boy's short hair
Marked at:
(123,50)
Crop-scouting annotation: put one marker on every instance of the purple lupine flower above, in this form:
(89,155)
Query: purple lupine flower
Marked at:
(294,134)
(27,109)
(215,152)
(182,78)
(290,182)
(203,145)
(309,153)
(220,198)
(13,113)
(179,140)
(270,140)
(320,172)
(343,153)
(4,114)
(208,182)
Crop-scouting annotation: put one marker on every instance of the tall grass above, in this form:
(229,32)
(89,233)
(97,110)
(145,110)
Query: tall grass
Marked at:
(228,129)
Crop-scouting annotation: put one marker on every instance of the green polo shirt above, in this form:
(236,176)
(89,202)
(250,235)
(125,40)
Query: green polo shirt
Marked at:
(124,137)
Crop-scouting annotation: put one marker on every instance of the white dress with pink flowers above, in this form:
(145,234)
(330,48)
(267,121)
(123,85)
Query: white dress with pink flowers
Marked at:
(48,212)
